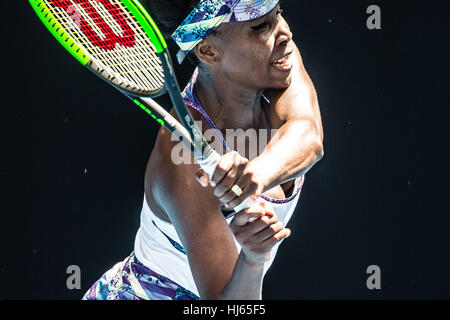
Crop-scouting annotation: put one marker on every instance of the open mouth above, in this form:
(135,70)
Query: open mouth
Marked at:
(283,64)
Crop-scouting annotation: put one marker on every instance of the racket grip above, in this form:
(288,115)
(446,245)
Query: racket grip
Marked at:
(209,164)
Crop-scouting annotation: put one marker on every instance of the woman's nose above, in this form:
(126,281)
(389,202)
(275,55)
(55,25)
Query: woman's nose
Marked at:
(284,33)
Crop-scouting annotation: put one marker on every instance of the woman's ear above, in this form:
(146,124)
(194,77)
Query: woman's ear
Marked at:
(207,52)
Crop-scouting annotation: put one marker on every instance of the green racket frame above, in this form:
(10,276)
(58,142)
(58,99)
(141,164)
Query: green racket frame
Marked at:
(135,7)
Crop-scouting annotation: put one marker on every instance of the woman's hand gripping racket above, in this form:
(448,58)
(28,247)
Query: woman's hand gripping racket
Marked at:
(119,41)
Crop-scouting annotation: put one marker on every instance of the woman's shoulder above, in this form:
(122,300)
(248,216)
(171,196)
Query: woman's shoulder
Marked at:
(170,176)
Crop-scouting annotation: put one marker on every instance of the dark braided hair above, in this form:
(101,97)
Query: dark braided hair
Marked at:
(169,14)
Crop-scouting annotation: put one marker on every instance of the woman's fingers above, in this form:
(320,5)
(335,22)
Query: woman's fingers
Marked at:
(223,182)
(234,181)
(260,214)
(259,237)
(242,218)
(230,196)
(272,241)
(252,186)
(259,231)
(225,164)
(269,232)
(202,177)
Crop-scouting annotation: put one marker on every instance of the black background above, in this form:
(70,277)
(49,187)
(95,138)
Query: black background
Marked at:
(74,153)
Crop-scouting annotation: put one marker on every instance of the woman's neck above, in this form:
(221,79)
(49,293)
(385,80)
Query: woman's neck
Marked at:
(228,104)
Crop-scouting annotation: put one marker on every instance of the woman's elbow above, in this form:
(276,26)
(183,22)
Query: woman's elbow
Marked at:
(315,138)
(317,141)
(319,152)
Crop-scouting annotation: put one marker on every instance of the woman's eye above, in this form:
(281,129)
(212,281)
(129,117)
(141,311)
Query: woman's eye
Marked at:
(264,25)
(260,26)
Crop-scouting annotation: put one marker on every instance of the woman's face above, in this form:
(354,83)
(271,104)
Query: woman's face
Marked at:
(256,53)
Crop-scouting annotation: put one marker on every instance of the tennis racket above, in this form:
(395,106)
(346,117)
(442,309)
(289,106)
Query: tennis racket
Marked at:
(119,41)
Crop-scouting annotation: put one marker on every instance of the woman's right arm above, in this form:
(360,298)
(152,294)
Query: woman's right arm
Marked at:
(218,270)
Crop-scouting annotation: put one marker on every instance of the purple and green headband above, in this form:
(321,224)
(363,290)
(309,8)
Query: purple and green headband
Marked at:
(209,14)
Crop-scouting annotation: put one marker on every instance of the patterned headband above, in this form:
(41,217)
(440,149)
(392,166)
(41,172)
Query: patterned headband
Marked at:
(209,14)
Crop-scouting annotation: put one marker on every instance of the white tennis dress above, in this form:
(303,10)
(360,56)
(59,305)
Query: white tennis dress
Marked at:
(159,248)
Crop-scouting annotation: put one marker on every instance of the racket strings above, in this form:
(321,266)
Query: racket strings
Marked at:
(114,39)
(149,64)
(138,65)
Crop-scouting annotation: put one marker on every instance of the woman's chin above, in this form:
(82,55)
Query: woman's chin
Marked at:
(282,82)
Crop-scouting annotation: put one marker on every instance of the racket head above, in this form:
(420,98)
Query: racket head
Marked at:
(116,39)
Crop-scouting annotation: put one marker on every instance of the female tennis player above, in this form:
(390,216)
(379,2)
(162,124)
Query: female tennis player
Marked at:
(249,75)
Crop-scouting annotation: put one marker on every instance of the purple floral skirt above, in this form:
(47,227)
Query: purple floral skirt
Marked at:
(131,280)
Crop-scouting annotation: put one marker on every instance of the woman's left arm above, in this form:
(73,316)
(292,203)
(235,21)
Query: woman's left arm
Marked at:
(298,143)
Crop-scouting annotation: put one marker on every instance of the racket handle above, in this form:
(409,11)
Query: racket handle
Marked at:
(209,164)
